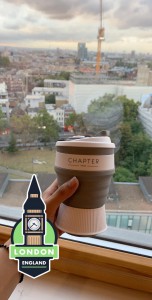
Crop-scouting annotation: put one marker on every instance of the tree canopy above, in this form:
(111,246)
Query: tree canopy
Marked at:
(130,108)
(135,146)
(105,113)
(4,62)
(42,127)
(63,75)
(3,122)
(47,127)
(12,148)
(70,121)
(50,99)
(23,127)
(119,115)
(124,175)
(104,103)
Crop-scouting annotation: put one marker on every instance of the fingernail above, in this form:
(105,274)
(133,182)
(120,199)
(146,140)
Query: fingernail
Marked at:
(73,182)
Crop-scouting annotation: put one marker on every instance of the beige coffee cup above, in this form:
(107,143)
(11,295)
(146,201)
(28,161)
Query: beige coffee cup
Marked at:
(91,160)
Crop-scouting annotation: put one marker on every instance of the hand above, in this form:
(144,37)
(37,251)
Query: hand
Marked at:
(54,195)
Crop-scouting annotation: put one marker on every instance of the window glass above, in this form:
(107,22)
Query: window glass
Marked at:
(71,70)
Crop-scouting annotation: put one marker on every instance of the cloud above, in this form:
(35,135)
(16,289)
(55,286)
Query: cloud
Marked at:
(63,9)
(75,20)
(124,13)
(135,13)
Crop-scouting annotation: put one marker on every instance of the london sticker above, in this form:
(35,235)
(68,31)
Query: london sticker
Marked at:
(34,238)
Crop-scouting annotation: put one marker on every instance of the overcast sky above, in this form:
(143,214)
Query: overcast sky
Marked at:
(60,23)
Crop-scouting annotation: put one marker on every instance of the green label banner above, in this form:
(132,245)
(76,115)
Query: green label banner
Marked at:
(34,251)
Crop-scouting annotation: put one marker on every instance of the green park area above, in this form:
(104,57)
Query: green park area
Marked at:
(31,161)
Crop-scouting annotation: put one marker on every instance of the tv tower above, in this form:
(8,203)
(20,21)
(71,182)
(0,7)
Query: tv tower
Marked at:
(100,37)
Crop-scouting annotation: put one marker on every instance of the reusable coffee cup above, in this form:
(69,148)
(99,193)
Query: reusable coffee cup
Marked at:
(91,160)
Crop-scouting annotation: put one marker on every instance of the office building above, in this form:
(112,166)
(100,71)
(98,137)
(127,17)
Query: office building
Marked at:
(145,113)
(82,51)
(83,88)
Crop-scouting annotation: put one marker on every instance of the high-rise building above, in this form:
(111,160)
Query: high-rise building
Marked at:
(144,75)
(133,53)
(82,51)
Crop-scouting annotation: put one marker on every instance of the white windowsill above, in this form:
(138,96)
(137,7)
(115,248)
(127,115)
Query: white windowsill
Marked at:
(58,285)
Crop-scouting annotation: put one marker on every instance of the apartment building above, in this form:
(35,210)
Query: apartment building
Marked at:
(35,101)
(4,100)
(57,113)
(145,113)
(55,87)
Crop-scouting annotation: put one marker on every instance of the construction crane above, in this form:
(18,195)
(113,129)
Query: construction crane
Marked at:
(100,38)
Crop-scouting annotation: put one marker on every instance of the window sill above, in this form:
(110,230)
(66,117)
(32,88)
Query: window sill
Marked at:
(106,265)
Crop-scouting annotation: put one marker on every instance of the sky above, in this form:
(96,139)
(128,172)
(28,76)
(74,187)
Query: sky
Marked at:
(62,24)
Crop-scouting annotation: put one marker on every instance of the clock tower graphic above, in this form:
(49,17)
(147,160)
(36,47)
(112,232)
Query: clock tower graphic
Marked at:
(34,238)
(34,216)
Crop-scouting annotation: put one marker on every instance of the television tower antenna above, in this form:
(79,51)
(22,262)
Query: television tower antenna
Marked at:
(100,37)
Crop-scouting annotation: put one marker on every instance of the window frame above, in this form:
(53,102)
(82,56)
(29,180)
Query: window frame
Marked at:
(114,238)
(98,263)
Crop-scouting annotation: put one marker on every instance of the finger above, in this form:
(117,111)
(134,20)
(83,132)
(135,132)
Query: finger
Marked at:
(50,190)
(65,191)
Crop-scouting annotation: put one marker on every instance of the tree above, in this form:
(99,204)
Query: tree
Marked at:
(77,121)
(140,169)
(80,125)
(105,113)
(39,83)
(130,108)
(3,122)
(70,121)
(64,75)
(149,165)
(125,149)
(50,99)
(150,65)
(23,127)
(135,147)
(124,175)
(12,148)
(136,126)
(42,127)
(47,127)
(120,116)
(102,103)
(4,62)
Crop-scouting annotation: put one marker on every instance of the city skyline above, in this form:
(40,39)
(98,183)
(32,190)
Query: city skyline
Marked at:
(52,24)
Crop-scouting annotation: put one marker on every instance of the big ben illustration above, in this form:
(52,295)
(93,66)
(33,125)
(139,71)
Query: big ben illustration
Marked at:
(34,216)
(34,238)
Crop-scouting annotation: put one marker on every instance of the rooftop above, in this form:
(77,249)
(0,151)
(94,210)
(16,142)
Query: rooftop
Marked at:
(92,78)
(3,177)
(130,197)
